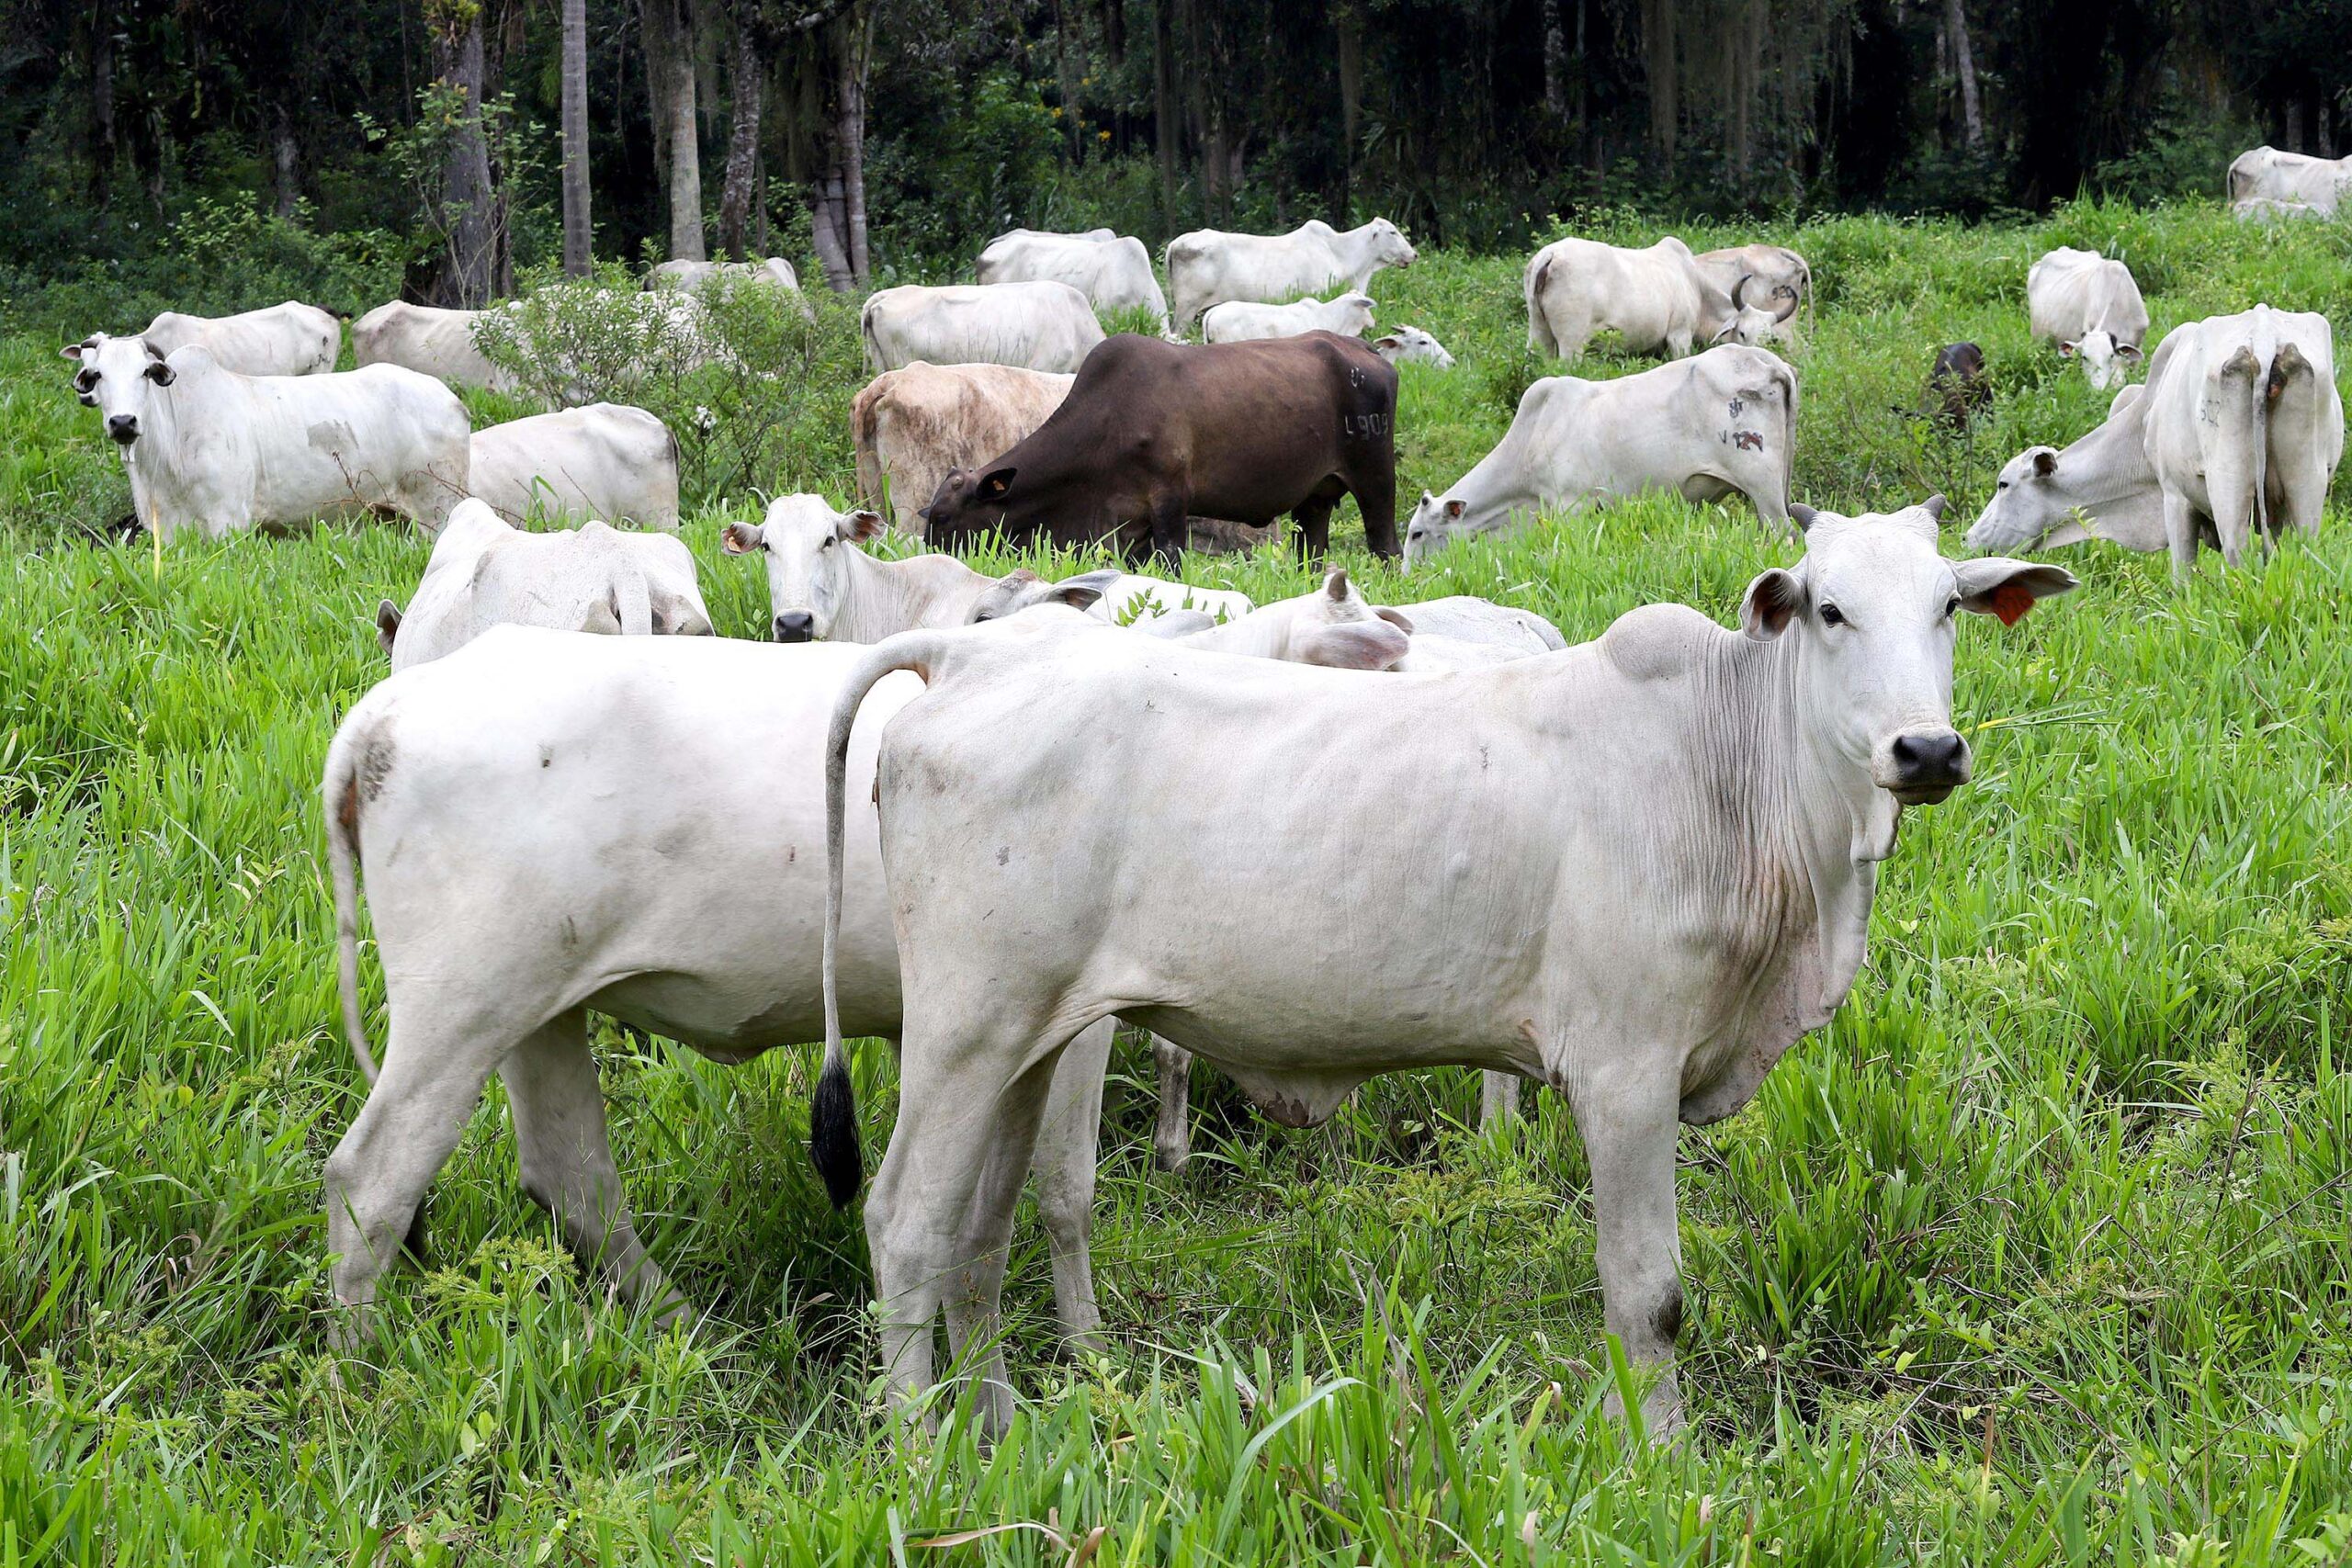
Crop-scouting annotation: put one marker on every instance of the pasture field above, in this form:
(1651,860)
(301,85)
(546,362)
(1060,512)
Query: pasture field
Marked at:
(2041,1255)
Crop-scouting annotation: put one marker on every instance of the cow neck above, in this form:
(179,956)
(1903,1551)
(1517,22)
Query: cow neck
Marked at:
(2114,456)
(870,590)
(151,483)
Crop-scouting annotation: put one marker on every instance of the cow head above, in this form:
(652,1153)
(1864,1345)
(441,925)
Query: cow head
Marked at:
(2105,361)
(806,545)
(1389,246)
(1402,343)
(1355,313)
(1755,316)
(1437,522)
(1332,626)
(967,502)
(1866,621)
(2029,498)
(1021,588)
(119,376)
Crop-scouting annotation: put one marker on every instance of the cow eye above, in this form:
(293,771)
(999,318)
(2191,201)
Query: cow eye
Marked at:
(1831,615)
(826,545)
(86,379)
(1952,607)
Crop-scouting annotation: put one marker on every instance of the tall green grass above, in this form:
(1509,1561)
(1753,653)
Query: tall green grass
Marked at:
(2038,1256)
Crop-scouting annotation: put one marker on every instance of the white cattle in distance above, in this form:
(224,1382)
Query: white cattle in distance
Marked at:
(1658,299)
(2266,172)
(1719,423)
(1237,321)
(484,573)
(428,340)
(1638,870)
(1209,267)
(1411,345)
(292,339)
(220,453)
(1114,272)
(603,461)
(694,276)
(550,823)
(2235,439)
(912,424)
(2272,209)
(2090,307)
(1038,326)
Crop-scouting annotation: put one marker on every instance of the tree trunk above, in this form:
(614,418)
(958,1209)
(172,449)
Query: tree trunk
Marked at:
(1659,68)
(1555,61)
(102,137)
(1165,131)
(748,81)
(1349,22)
(857,50)
(1964,65)
(469,200)
(286,155)
(837,196)
(670,62)
(579,241)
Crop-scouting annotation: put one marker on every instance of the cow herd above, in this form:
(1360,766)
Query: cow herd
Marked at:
(987,817)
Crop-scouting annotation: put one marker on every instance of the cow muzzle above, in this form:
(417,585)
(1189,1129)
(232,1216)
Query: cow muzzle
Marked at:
(795,625)
(1922,766)
(124,428)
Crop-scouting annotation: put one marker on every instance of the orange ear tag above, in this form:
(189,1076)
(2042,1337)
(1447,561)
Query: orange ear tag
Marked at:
(2010,601)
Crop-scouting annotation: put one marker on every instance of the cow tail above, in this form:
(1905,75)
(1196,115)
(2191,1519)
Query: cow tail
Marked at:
(832,1111)
(1787,378)
(1539,328)
(2266,388)
(865,330)
(341,789)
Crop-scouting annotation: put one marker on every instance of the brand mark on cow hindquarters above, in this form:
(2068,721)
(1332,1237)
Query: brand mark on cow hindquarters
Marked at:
(1747,440)
(1364,423)
(1735,406)
(1004,853)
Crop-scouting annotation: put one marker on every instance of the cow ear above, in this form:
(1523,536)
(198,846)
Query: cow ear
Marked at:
(1934,506)
(995,483)
(1998,585)
(1076,592)
(2045,463)
(1335,584)
(2066,349)
(1774,599)
(1801,515)
(860,524)
(159,373)
(387,623)
(73,350)
(1392,342)
(741,538)
(1357,645)
(2128,350)
(1456,508)
(1396,618)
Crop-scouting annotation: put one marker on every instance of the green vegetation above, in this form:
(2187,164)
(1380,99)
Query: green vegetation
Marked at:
(2040,1255)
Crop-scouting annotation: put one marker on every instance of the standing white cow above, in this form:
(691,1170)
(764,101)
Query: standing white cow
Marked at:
(912,424)
(1114,272)
(1638,870)
(604,460)
(551,824)
(1209,267)
(429,340)
(292,339)
(483,573)
(2235,437)
(1237,320)
(2090,307)
(1039,326)
(2317,183)
(1724,421)
(208,450)
(1655,299)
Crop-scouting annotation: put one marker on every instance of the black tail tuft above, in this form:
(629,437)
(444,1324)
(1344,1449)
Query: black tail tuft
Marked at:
(833,1134)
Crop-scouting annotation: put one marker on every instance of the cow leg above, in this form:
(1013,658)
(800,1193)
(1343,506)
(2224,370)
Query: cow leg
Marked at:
(1373,482)
(2180,534)
(1498,1100)
(565,1157)
(1168,532)
(1629,1122)
(1311,524)
(1064,1165)
(1171,1138)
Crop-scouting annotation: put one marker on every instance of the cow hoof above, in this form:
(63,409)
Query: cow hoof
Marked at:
(1170,1158)
(1085,1343)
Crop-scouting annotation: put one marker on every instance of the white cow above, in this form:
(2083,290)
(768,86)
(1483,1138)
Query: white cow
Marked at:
(2272,209)
(2318,182)
(1655,299)
(2090,307)
(551,824)
(1039,326)
(1235,321)
(292,339)
(694,276)
(483,573)
(1638,870)
(1720,423)
(822,588)
(1114,272)
(1407,345)
(208,450)
(2235,437)
(912,424)
(1780,273)
(606,460)
(1209,267)
(429,340)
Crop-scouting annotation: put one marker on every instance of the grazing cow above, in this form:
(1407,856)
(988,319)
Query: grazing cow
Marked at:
(2235,437)
(292,339)
(1112,272)
(208,450)
(1638,870)
(550,823)
(2316,182)
(1237,321)
(912,424)
(2273,209)
(1039,326)
(1957,389)
(1209,267)
(483,573)
(1154,431)
(694,276)
(1407,345)
(1655,299)
(1780,272)
(1723,422)
(428,340)
(606,460)
(2089,306)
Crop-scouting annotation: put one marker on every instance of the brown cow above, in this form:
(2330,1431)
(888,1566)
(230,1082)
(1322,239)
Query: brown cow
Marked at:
(1153,431)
